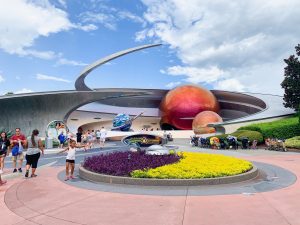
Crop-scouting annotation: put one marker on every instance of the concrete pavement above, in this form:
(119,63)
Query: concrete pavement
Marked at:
(48,200)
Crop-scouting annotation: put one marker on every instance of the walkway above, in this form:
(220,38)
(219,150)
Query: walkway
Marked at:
(48,200)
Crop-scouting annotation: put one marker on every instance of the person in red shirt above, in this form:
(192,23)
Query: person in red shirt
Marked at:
(15,139)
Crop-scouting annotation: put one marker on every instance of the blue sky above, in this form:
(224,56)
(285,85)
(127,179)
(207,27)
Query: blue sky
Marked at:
(237,46)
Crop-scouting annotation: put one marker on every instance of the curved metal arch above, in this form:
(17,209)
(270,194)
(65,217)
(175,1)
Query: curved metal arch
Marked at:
(80,84)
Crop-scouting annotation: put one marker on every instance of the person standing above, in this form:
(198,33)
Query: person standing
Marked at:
(70,159)
(103,134)
(62,139)
(79,136)
(18,140)
(33,154)
(4,147)
(98,135)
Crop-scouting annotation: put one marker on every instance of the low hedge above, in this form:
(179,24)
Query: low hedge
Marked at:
(252,135)
(283,128)
(293,142)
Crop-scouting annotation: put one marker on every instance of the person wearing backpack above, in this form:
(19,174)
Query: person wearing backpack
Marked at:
(18,142)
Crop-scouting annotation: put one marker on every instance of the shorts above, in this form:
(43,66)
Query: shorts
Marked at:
(18,157)
(61,142)
(32,160)
(70,160)
(98,138)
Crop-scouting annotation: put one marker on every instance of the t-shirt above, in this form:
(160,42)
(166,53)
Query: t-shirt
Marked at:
(103,133)
(33,149)
(4,144)
(16,138)
(71,153)
(98,134)
(78,135)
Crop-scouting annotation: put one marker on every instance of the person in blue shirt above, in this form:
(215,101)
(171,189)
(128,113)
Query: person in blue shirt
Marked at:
(62,139)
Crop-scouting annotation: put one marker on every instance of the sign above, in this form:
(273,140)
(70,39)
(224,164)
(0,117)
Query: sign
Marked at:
(143,140)
(55,128)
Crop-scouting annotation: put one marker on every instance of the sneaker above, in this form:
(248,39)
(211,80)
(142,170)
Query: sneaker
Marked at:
(1,171)
(15,170)
(67,178)
(72,177)
(27,173)
(20,170)
(33,175)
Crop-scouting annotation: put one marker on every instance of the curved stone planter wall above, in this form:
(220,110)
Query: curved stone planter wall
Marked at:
(96,177)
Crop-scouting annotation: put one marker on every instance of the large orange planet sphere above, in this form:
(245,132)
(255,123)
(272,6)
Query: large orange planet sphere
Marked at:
(202,119)
(180,105)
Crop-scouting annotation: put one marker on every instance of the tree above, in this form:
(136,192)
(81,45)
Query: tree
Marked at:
(291,82)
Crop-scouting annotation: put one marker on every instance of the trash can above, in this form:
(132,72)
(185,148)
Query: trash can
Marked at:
(49,143)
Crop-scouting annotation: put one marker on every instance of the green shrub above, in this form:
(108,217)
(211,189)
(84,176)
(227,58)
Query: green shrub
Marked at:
(251,135)
(293,142)
(9,133)
(284,128)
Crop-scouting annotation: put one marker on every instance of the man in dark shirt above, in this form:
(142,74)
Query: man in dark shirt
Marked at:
(15,140)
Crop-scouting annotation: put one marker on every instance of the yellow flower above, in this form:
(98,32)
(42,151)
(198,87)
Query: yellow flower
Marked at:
(197,165)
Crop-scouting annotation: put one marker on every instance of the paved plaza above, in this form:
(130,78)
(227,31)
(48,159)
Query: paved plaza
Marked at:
(272,198)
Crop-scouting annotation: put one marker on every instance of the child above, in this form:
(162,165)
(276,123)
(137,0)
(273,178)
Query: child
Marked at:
(70,159)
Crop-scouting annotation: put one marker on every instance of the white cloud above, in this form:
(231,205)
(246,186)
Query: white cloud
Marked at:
(132,17)
(23,90)
(107,20)
(173,84)
(236,37)
(1,78)
(46,77)
(230,85)
(88,27)
(196,75)
(21,22)
(63,61)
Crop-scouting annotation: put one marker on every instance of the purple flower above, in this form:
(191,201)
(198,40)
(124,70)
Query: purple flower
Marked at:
(123,163)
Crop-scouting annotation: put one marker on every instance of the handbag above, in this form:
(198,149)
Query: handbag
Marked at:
(15,150)
(20,150)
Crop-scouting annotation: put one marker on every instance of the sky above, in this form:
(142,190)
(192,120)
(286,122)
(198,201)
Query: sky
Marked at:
(235,45)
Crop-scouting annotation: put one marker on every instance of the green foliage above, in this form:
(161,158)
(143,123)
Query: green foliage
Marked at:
(293,142)
(55,143)
(8,132)
(251,135)
(291,84)
(284,128)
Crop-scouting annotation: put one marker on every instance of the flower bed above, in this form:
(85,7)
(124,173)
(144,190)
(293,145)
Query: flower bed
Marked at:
(186,166)
(123,163)
(197,165)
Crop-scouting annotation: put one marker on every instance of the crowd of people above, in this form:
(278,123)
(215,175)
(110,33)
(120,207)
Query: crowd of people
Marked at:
(34,148)
(16,145)
(89,138)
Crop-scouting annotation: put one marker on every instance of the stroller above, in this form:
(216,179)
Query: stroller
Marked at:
(245,143)
(232,142)
(214,143)
(194,141)
(223,144)
(204,143)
